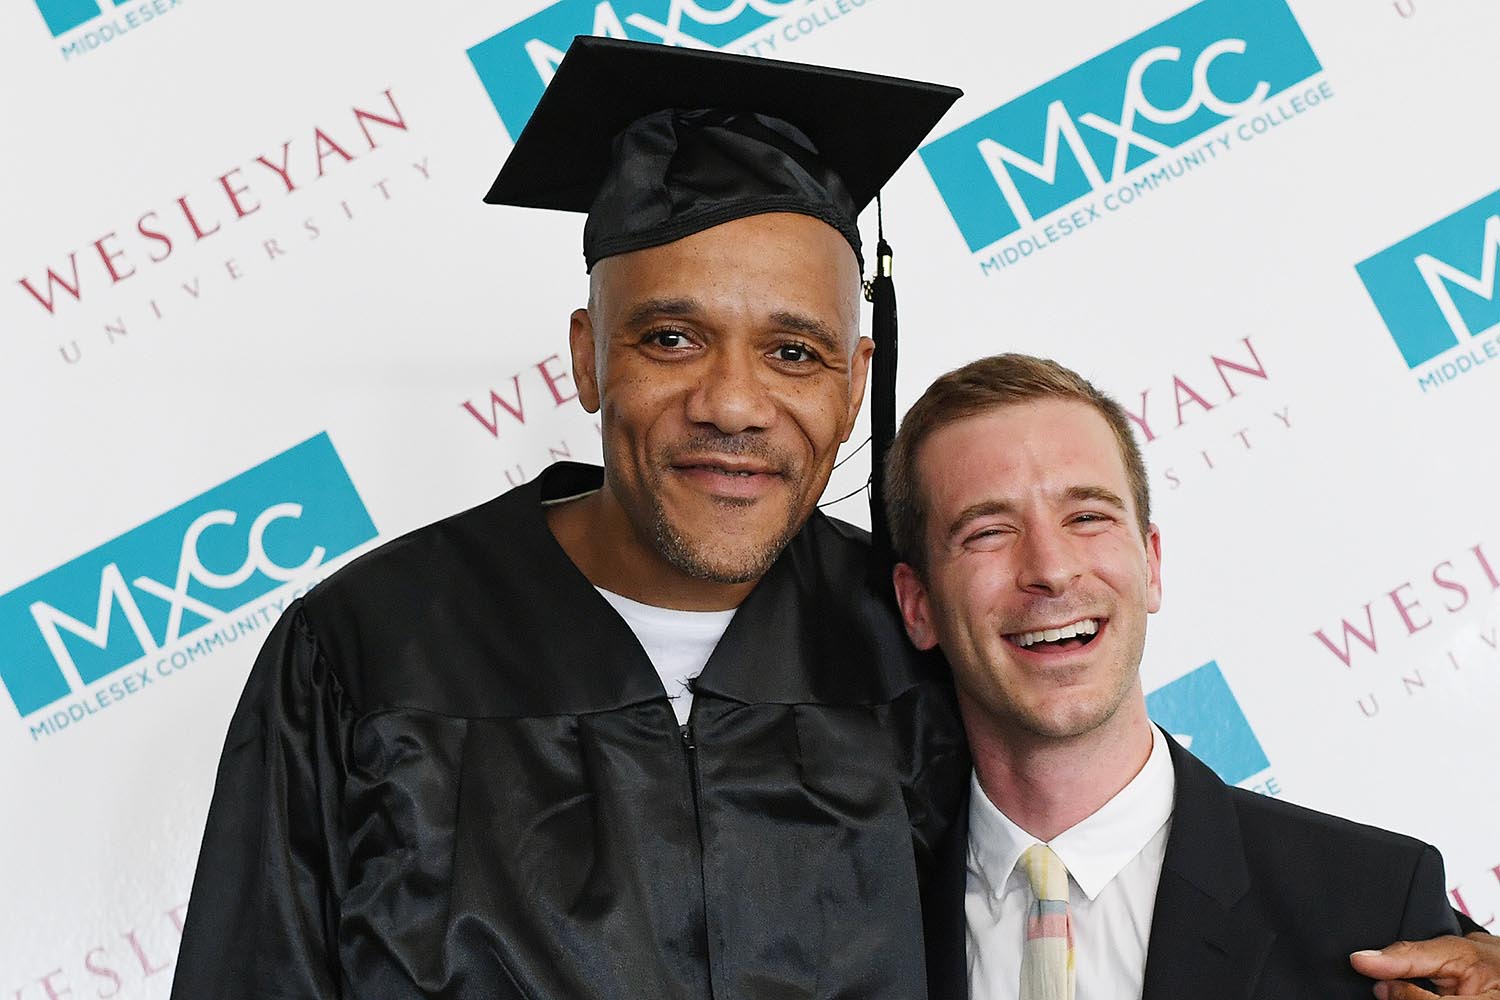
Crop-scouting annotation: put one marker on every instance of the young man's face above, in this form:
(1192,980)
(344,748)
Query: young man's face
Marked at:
(1031,533)
(728,368)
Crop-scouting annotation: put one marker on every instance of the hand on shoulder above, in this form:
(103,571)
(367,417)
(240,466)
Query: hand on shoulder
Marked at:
(1462,967)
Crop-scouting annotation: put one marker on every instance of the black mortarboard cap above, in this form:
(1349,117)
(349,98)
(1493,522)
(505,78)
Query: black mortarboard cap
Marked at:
(656,143)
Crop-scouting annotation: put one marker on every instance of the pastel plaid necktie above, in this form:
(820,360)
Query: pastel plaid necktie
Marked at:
(1047,955)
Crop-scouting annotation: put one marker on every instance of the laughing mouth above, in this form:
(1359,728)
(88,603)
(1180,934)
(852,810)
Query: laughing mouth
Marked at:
(1074,635)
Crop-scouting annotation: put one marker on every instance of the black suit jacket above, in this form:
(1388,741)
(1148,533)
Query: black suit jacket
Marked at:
(1258,899)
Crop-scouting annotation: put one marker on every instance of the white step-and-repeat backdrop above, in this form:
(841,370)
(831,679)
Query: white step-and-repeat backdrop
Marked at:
(254,320)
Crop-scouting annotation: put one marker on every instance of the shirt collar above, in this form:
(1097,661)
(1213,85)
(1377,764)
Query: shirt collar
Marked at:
(1095,849)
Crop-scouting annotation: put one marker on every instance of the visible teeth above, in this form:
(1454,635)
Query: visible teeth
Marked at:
(1086,627)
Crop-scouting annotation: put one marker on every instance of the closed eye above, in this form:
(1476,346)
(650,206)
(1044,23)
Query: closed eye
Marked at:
(990,534)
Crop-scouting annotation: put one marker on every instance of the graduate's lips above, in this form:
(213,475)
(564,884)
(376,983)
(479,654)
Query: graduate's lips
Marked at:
(1056,640)
(734,477)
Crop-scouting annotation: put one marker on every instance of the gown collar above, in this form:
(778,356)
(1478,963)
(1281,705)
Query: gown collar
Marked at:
(813,629)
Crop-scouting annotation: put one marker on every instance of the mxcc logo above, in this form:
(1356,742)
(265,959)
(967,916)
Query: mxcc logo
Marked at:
(1200,711)
(1440,289)
(189,567)
(516,65)
(1139,101)
(92,23)
(63,16)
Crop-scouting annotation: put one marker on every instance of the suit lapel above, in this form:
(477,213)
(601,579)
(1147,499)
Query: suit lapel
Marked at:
(1200,949)
(1207,936)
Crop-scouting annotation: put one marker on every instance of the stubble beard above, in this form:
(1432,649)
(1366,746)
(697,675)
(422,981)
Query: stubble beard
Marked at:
(701,558)
(1074,725)
(1046,726)
(1097,715)
(705,561)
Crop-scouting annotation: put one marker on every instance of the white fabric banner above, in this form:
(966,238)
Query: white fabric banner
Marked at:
(257,321)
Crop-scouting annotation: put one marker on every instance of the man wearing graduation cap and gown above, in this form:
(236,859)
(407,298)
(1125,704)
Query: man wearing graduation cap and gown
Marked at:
(646,731)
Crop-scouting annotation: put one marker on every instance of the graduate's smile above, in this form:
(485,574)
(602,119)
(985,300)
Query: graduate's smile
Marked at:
(728,477)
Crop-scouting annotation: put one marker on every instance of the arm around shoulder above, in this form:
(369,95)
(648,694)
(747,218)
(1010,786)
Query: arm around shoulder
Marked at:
(1427,912)
(1430,949)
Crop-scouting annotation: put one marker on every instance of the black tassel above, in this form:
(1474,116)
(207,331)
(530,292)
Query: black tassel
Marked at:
(882,403)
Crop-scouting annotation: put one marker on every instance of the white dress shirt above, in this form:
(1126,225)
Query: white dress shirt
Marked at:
(679,643)
(1114,860)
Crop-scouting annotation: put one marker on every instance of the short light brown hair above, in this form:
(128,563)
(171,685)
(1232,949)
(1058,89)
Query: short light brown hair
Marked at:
(986,384)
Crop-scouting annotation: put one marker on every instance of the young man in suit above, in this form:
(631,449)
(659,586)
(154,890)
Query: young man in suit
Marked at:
(1099,858)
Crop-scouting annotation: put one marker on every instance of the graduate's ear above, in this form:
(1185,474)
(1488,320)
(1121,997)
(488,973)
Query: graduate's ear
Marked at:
(859,372)
(585,370)
(916,609)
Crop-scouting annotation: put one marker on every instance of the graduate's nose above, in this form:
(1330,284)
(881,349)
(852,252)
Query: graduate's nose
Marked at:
(734,395)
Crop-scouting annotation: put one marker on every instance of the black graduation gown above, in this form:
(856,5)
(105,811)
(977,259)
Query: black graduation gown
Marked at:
(455,773)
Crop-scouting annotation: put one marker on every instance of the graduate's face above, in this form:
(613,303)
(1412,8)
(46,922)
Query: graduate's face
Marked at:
(1031,528)
(727,369)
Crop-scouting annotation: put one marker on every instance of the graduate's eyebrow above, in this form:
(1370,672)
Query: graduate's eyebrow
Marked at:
(662,308)
(811,328)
